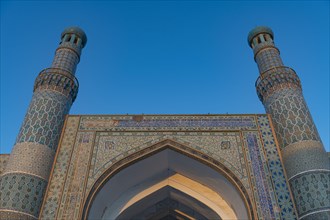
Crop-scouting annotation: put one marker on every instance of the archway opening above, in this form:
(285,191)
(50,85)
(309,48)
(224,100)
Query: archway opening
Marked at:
(168,184)
(168,203)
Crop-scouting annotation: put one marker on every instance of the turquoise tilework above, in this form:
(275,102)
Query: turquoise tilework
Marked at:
(291,117)
(22,192)
(311,192)
(260,177)
(44,119)
(277,172)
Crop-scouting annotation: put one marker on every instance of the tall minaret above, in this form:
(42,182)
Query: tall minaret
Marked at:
(304,157)
(25,178)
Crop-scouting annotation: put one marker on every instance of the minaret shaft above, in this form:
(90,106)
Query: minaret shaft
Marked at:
(268,58)
(304,157)
(25,178)
(65,59)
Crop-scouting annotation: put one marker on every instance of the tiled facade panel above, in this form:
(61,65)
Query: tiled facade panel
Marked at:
(260,177)
(3,162)
(112,147)
(22,192)
(79,166)
(114,144)
(291,117)
(304,155)
(6,215)
(281,187)
(163,122)
(66,59)
(44,119)
(268,58)
(57,80)
(312,193)
(318,216)
(31,158)
(61,167)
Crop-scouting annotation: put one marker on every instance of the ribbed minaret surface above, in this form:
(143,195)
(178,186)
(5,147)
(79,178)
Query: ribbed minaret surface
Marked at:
(302,151)
(25,178)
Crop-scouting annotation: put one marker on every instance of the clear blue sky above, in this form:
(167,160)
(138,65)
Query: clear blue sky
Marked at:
(165,57)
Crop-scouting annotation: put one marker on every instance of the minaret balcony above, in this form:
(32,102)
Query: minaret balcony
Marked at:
(59,80)
(276,76)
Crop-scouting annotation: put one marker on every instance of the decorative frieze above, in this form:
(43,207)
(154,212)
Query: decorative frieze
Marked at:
(57,80)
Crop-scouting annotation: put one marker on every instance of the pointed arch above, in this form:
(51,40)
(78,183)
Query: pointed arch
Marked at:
(168,201)
(180,149)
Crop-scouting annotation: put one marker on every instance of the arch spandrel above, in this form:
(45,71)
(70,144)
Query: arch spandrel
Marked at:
(225,147)
(169,144)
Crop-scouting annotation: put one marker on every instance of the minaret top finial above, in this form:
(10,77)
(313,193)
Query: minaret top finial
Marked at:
(77,31)
(259,30)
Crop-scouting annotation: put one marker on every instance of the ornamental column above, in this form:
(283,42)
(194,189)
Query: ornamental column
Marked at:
(305,160)
(25,178)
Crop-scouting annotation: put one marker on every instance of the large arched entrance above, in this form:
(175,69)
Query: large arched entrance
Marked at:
(168,184)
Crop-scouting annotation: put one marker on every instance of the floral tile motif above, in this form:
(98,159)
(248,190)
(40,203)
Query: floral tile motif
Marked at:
(75,186)
(260,178)
(57,180)
(113,146)
(281,186)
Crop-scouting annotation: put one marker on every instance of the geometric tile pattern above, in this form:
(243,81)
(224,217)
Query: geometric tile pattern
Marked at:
(318,215)
(274,79)
(55,89)
(3,162)
(93,145)
(68,53)
(178,147)
(281,187)
(66,60)
(264,196)
(166,122)
(54,192)
(6,215)
(267,59)
(291,117)
(44,119)
(260,46)
(304,155)
(74,187)
(311,192)
(58,80)
(22,192)
(110,147)
(24,156)
(225,147)
(37,140)
(279,89)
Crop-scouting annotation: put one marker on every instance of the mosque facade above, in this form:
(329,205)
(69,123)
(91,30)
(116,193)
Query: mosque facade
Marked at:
(252,166)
